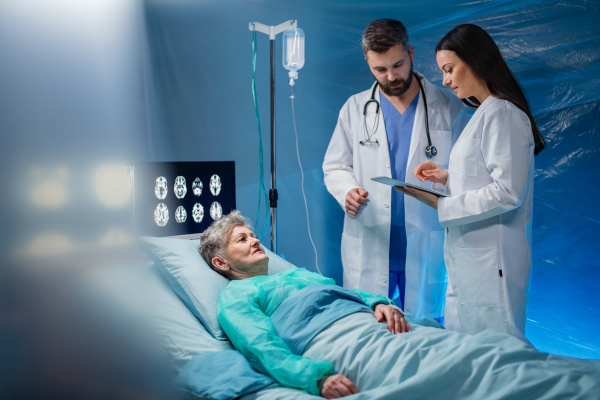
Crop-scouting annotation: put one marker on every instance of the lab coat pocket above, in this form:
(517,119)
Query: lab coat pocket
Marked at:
(477,278)
(351,260)
(442,141)
(465,156)
(436,269)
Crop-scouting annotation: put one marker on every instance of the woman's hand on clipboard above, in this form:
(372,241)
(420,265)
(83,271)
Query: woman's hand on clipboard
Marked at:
(430,171)
(426,172)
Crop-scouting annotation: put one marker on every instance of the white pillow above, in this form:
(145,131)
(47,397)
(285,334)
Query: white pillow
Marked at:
(181,334)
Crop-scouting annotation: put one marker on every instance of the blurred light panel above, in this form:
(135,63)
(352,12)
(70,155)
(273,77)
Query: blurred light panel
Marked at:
(113,185)
(50,244)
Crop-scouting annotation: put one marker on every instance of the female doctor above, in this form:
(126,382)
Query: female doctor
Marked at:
(487,216)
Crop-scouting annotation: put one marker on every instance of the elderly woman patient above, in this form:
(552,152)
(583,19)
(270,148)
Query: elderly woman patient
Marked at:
(257,311)
(307,333)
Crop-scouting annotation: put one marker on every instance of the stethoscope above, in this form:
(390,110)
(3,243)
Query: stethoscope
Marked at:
(430,150)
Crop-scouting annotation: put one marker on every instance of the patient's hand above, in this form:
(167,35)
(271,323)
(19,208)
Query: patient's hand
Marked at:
(336,386)
(395,320)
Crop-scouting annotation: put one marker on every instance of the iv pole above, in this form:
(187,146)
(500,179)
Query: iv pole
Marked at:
(272,31)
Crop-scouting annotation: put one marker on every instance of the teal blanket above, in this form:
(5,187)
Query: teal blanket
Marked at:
(431,363)
(435,364)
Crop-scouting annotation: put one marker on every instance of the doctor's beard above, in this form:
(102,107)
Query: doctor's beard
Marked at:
(386,87)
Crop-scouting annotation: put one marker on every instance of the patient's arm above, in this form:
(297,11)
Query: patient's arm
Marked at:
(371,299)
(252,333)
(385,310)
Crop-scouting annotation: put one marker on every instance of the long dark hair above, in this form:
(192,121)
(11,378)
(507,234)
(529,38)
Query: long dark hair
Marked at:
(478,50)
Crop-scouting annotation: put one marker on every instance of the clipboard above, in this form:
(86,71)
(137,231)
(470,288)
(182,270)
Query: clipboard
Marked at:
(393,182)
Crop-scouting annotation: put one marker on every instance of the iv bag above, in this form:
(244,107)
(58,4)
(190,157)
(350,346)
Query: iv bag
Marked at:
(293,51)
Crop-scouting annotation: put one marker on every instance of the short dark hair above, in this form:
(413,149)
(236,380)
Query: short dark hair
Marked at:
(473,45)
(383,34)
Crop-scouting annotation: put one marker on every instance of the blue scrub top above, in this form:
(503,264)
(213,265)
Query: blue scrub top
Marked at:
(399,129)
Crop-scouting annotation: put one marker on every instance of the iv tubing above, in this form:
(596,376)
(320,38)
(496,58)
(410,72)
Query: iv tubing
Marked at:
(302,184)
(261,184)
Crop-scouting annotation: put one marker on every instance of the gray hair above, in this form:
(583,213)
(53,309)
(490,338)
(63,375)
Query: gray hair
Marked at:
(214,240)
(383,34)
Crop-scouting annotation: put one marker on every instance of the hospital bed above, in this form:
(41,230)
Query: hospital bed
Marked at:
(428,362)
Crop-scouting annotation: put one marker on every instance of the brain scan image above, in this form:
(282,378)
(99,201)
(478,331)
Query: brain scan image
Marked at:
(180,187)
(216,211)
(215,185)
(160,189)
(161,214)
(197,187)
(180,214)
(198,213)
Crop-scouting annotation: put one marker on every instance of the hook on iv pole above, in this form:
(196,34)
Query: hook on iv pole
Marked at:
(272,31)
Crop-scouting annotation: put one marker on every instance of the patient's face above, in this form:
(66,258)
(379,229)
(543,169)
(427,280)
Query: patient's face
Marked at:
(245,255)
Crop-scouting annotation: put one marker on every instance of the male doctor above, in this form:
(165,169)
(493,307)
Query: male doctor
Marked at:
(391,241)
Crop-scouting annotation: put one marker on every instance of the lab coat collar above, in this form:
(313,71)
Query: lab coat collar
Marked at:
(485,103)
(478,112)
(431,95)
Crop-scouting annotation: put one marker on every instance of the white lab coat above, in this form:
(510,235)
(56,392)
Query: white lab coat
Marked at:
(488,221)
(365,240)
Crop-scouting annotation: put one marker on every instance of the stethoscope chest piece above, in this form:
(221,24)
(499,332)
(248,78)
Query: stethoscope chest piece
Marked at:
(430,151)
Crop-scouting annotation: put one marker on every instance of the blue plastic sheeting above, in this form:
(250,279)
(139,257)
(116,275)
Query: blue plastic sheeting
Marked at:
(200,99)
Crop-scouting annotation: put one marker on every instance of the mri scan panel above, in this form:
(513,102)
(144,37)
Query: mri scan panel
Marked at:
(180,187)
(160,189)
(161,214)
(197,187)
(215,185)
(198,213)
(216,211)
(180,214)
(168,196)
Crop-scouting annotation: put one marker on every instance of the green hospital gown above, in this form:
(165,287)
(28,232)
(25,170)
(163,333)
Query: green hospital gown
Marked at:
(245,307)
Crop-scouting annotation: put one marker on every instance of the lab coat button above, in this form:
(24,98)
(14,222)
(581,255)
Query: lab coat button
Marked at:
(386,205)
(384,241)
(384,279)
(387,164)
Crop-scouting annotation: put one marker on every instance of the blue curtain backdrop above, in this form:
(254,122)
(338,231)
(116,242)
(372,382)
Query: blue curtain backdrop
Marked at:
(200,108)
